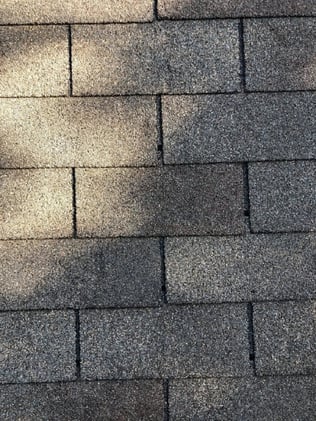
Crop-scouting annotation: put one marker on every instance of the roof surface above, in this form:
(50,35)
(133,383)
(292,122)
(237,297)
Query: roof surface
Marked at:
(157,210)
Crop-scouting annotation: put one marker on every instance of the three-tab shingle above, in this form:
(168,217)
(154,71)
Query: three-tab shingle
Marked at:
(65,132)
(34,60)
(189,9)
(37,346)
(163,57)
(163,342)
(130,400)
(58,11)
(258,267)
(285,338)
(277,398)
(254,127)
(121,344)
(280,54)
(35,203)
(283,196)
(79,273)
(179,200)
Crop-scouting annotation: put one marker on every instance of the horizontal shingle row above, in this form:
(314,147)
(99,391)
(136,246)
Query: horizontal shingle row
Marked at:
(154,58)
(170,200)
(275,398)
(88,273)
(113,132)
(189,9)
(247,268)
(165,342)
(199,399)
(173,341)
(79,273)
(161,57)
(40,11)
(78,132)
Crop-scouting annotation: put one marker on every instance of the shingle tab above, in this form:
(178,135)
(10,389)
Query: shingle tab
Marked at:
(231,8)
(76,132)
(42,11)
(163,342)
(285,338)
(37,346)
(160,201)
(280,54)
(120,344)
(161,57)
(252,127)
(35,203)
(79,273)
(283,196)
(256,267)
(84,401)
(278,398)
(34,60)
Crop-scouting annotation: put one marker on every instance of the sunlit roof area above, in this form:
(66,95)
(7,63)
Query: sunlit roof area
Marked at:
(157,210)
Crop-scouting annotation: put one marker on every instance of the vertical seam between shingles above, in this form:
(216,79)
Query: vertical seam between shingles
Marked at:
(246,196)
(242,57)
(163,270)
(251,337)
(70,60)
(155,7)
(160,145)
(78,345)
(74,203)
(166,399)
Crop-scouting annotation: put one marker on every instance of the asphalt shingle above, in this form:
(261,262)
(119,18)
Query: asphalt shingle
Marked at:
(37,346)
(231,8)
(285,338)
(162,57)
(160,201)
(283,196)
(252,127)
(97,401)
(183,341)
(79,273)
(58,11)
(277,398)
(76,132)
(35,203)
(256,267)
(34,60)
(280,54)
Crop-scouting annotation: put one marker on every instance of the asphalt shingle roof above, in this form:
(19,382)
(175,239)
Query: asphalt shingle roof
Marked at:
(157,210)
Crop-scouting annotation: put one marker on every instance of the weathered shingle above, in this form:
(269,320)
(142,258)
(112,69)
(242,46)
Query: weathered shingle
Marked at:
(160,201)
(256,267)
(37,346)
(76,132)
(41,11)
(34,60)
(231,8)
(160,57)
(285,338)
(35,203)
(283,196)
(246,399)
(163,342)
(280,54)
(252,127)
(84,401)
(79,273)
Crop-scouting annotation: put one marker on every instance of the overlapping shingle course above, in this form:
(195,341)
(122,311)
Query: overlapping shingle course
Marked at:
(152,120)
